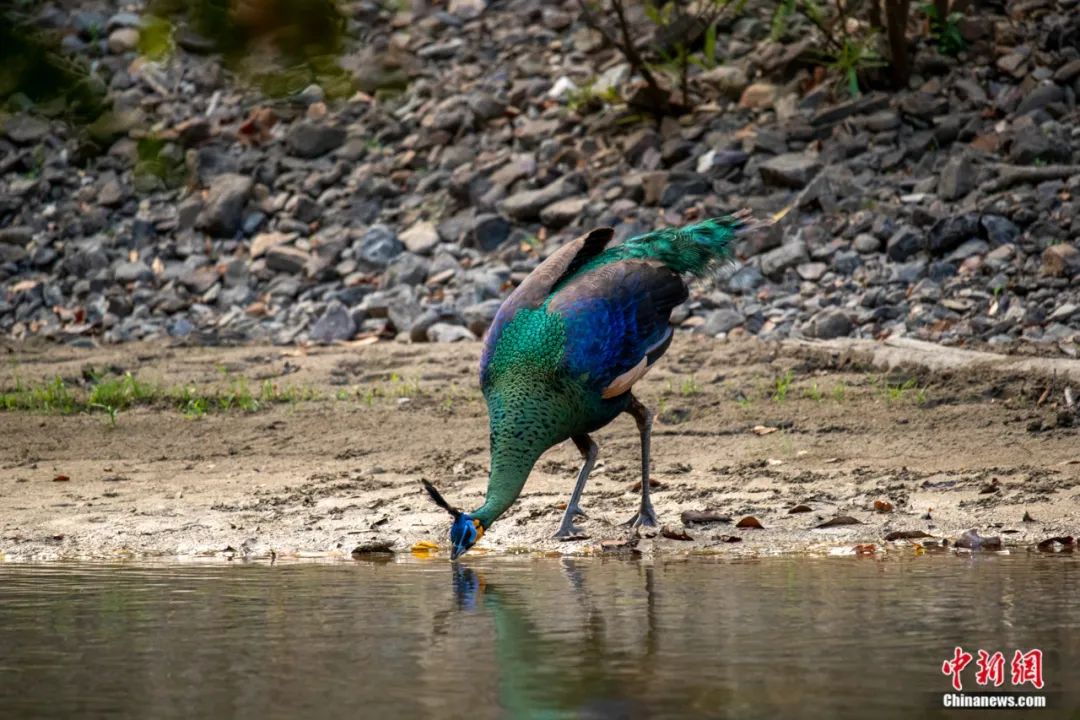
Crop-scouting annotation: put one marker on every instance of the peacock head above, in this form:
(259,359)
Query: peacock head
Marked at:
(465,530)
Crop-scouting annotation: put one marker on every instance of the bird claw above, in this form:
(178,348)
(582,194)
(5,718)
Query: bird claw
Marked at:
(576,511)
(569,531)
(646,517)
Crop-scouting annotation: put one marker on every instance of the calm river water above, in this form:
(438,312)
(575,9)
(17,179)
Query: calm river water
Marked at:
(530,638)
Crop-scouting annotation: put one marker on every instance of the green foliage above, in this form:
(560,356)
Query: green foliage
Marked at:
(161,159)
(895,391)
(839,392)
(689,387)
(814,393)
(854,56)
(846,52)
(945,32)
(781,385)
(156,37)
(282,46)
(51,396)
(121,393)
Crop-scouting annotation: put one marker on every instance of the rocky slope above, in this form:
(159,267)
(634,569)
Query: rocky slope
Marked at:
(946,212)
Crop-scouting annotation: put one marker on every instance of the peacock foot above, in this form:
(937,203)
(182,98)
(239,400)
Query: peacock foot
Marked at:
(567,529)
(645,517)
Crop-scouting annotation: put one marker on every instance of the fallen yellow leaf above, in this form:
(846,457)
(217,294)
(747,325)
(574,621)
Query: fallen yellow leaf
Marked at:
(424,548)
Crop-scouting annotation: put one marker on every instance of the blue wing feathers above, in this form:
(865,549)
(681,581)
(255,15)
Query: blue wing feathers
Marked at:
(615,316)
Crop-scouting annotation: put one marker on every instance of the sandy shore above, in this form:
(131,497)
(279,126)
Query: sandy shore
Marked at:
(966,448)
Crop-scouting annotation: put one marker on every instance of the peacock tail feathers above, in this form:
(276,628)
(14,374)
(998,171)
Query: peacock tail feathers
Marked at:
(690,250)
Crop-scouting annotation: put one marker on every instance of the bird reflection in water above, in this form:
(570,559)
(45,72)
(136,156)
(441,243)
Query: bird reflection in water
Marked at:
(544,672)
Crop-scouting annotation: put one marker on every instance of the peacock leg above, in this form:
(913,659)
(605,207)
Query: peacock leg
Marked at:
(645,516)
(567,530)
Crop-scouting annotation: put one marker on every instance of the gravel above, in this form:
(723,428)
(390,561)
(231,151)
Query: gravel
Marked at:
(199,210)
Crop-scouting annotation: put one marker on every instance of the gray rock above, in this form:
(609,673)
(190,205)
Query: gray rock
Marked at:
(792,170)
(1032,145)
(378,246)
(952,231)
(308,140)
(441,50)
(1062,260)
(403,309)
(489,231)
(445,333)
(225,203)
(16,235)
(1039,97)
(126,272)
(563,212)
(957,179)
(479,316)
(904,243)
(12,253)
(968,249)
(721,321)
(421,238)
(485,106)
(110,192)
(526,205)
(882,121)
(26,129)
(199,280)
(999,230)
(406,269)
(846,262)
(831,323)
(335,324)
(811,271)
(286,258)
(866,243)
(774,262)
(745,279)
(441,313)
(730,80)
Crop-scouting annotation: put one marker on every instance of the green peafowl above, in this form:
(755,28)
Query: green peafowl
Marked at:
(565,349)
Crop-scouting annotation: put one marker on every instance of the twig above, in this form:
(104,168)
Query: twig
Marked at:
(626,47)
(1009,175)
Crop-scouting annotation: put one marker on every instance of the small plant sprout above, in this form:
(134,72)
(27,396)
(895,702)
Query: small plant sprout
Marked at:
(781,386)
(689,387)
(839,391)
(814,392)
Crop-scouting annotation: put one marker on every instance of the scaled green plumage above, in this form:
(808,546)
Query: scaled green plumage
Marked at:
(567,345)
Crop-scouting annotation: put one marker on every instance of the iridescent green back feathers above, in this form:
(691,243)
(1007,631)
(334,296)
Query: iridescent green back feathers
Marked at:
(691,250)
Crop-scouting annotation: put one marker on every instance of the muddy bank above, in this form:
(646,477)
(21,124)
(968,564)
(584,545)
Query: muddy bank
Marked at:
(744,429)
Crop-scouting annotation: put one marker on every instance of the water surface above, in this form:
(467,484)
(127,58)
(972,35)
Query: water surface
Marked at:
(527,638)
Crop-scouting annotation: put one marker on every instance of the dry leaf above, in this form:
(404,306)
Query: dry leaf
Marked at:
(1066,542)
(729,538)
(61,478)
(764,429)
(672,534)
(424,548)
(883,506)
(800,509)
(838,521)
(907,535)
(750,522)
(700,517)
(376,547)
(868,549)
